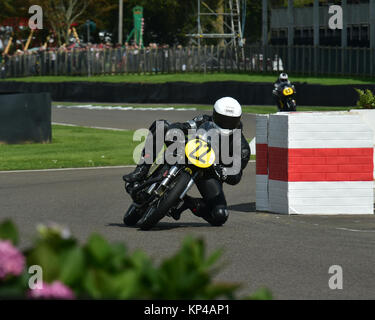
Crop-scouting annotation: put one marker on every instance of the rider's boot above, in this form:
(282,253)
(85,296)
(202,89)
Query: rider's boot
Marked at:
(139,173)
(196,205)
(176,213)
(200,209)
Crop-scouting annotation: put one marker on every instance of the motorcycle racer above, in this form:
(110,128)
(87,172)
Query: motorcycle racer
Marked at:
(212,206)
(283,79)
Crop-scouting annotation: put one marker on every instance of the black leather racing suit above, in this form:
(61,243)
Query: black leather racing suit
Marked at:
(275,93)
(212,206)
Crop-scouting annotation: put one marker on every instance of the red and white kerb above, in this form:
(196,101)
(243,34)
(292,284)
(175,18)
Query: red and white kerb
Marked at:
(314,163)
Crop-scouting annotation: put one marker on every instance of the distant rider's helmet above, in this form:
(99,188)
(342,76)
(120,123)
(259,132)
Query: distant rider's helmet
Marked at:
(283,77)
(227,115)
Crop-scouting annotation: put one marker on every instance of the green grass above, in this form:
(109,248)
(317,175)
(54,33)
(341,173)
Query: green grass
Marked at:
(71,147)
(196,77)
(246,109)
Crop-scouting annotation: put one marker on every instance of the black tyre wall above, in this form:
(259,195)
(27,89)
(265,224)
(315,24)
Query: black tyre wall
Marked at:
(247,93)
(25,117)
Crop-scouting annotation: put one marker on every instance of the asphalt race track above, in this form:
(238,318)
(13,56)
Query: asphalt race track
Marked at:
(133,119)
(290,255)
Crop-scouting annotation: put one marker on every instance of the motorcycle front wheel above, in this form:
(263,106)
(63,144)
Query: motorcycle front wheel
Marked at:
(132,215)
(170,199)
(292,105)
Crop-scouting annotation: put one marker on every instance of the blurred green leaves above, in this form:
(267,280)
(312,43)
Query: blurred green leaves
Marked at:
(102,270)
(8,231)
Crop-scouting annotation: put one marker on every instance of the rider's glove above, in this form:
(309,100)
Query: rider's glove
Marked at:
(221,172)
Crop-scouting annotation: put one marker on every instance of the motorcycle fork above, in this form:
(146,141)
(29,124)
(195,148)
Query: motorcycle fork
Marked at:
(282,105)
(189,185)
(164,184)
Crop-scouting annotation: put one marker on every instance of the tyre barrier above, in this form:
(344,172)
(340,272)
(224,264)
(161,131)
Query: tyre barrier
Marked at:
(314,163)
(248,93)
(25,117)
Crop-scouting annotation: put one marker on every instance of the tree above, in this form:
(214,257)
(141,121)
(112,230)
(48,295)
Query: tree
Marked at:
(7,9)
(220,20)
(166,21)
(253,25)
(61,14)
(103,12)
(13,9)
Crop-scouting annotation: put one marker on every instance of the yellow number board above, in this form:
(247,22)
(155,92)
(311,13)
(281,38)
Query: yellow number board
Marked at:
(288,91)
(200,153)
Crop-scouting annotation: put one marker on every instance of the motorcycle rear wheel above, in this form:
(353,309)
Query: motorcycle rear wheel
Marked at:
(154,214)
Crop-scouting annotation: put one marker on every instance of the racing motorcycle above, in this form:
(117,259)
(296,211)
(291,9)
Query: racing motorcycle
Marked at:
(163,190)
(285,94)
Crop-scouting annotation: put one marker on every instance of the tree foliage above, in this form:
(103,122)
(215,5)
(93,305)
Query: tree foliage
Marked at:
(12,8)
(166,21)
(61,14)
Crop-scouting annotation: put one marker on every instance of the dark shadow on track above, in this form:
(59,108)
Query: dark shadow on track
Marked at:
(243,207)
(165,225)
(120,225)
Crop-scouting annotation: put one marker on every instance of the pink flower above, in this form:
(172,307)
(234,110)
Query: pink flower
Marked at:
(55,290)
(12,262)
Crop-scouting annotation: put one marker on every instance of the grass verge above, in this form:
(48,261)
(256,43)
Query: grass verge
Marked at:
(195,77)
(71,147)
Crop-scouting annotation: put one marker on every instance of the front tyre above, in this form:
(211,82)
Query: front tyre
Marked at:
(169,200)
(292,105)
(132,216)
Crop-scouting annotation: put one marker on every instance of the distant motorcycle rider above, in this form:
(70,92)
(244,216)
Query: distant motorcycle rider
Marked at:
(213,206)
(282,79)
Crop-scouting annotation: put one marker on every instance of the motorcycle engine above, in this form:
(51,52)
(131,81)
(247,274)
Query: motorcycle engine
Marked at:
(137,196)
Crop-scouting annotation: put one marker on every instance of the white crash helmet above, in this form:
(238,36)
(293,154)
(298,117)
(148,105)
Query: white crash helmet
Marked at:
(227,115)
(283,77)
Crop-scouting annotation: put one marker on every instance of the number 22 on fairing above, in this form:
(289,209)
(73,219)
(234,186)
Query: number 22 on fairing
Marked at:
(200,153)
(288,91)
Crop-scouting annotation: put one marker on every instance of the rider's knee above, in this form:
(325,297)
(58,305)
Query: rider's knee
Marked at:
(219,215)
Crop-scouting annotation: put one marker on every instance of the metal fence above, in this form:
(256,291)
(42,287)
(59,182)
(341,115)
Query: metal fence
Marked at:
(304,60)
